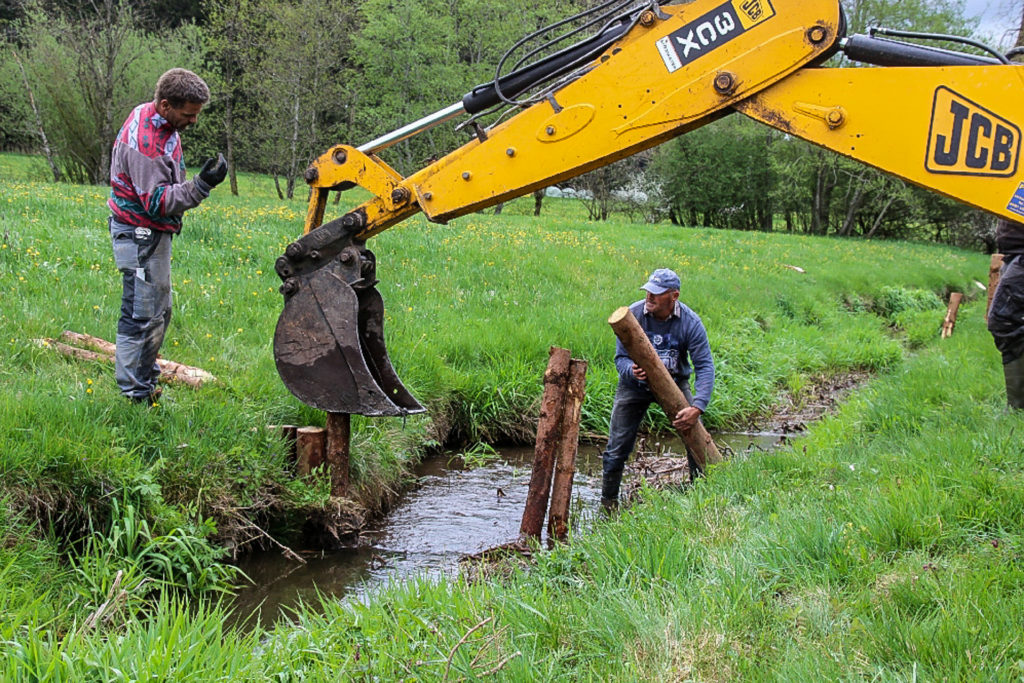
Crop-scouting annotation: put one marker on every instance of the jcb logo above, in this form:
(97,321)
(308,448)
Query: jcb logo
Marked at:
(753,9)
(753,12)
(967,139)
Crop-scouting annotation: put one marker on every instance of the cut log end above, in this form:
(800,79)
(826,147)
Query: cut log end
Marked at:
(618,315)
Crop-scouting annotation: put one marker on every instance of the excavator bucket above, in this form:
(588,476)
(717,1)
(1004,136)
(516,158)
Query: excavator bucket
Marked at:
(329,347)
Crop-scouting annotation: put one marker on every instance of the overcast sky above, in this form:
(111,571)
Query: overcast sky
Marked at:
(998,17)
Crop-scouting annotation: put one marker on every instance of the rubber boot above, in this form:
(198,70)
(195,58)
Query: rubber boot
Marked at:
(610,492)
(1014,372)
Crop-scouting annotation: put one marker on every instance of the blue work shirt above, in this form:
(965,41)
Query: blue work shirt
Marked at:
(679,341)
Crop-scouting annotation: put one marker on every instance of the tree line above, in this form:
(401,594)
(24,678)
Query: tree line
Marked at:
(290,78)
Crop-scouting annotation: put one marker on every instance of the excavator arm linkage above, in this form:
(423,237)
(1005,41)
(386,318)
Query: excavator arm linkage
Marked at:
(670,70)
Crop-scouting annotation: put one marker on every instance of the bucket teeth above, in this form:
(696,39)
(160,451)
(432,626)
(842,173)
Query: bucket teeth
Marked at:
(329,348)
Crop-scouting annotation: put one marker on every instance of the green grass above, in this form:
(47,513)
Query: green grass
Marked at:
(885,544)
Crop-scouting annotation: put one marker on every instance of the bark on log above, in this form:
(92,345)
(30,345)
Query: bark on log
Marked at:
(951,312)
(310,444)
(666,393)
(556,378)
(994,268)
(339,437)
(74,351)
(565,467)
(88,341)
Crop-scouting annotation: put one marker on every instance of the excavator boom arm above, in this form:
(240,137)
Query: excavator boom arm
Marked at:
(660,72)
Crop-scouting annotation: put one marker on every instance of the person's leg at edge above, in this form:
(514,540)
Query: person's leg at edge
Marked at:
(1004,322)
(628,410)
(1014,373)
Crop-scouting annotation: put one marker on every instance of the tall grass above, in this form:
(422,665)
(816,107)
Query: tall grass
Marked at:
(884,544)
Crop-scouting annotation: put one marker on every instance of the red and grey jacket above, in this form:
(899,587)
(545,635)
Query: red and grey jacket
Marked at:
(147,174)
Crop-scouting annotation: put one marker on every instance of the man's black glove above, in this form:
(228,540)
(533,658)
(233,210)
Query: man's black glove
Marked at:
(214,171)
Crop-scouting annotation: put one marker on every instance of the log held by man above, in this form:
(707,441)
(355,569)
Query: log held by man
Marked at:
(664,388)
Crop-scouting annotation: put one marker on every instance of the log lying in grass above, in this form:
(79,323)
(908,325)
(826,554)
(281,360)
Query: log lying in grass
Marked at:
(103,351)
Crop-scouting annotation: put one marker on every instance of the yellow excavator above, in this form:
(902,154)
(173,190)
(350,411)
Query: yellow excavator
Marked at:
(645,72)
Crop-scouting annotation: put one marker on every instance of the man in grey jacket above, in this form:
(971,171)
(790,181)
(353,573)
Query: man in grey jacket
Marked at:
(676,333)
(148,195)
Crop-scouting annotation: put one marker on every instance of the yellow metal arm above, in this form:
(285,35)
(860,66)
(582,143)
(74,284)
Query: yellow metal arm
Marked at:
(668,75)
(950,129)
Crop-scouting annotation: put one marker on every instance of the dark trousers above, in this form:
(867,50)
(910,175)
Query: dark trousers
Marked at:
(1006,323)
(628,411)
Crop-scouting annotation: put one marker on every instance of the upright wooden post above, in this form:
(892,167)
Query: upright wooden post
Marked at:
(954,307)
(548,427)
(309,449)
(994,268)
(339,437)
(664,388)
(565,467)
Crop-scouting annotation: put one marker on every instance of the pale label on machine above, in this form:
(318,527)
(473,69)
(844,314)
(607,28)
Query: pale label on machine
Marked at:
(712,30)
(1016,204)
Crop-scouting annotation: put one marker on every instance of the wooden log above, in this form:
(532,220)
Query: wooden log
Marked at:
(994,269)
(556,377)
(88,341)
(170,371)
(666,393)
(565,466)
(310,444)
(950,321)
(339,437)
(74,351)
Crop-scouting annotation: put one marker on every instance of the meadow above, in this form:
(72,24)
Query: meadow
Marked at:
(885,543)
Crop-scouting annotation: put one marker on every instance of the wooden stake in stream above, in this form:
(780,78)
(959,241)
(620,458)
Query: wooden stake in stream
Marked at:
(556,378)
(339,437)
(666,393)
(954,307)
(565,467)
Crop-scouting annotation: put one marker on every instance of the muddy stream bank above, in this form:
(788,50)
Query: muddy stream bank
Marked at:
(451,512)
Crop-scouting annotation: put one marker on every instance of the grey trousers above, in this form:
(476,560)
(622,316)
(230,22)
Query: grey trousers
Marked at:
(144,258)
(628,411)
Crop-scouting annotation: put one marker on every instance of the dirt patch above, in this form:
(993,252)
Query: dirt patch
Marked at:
(820,397)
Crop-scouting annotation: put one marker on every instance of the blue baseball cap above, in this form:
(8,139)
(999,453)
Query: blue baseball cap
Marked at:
(661,281)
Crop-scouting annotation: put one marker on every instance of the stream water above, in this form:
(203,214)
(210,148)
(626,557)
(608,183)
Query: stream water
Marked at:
(451,512)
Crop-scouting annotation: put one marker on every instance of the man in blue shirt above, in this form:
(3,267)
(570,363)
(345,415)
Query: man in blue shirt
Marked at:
(679,338)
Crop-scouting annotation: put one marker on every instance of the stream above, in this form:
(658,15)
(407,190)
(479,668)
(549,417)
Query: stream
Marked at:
(452,511)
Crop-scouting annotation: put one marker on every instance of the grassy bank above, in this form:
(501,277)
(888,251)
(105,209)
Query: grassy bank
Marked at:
(472,308)
(887,544)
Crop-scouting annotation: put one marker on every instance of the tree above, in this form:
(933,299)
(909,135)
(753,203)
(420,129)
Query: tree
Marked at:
(234,30)
(298,82)
(91,66)
(719,175)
